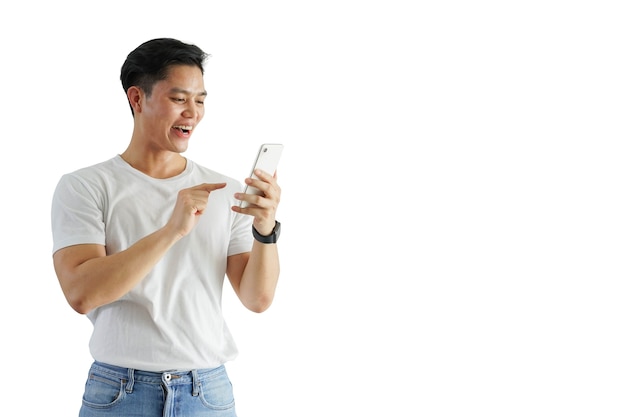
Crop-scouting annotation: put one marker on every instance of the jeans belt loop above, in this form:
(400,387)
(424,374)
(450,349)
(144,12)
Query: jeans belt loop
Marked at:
(131,380)
(196,382)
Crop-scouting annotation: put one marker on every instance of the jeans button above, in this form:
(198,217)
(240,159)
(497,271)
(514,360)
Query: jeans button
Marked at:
(167,377)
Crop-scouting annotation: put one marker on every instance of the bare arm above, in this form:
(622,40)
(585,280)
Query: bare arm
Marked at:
(89,278)
(254,275)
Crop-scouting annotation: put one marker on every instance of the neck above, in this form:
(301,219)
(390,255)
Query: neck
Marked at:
(162,165)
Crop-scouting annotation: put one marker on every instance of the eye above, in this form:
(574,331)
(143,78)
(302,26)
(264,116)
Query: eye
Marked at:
(178,99)
(200,102)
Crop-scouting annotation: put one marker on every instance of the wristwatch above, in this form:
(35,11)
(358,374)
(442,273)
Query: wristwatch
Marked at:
(271,238)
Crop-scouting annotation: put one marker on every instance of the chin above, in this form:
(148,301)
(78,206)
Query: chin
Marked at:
(181,145)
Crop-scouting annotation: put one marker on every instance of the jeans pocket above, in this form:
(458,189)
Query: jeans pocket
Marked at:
(216,392)
(102,391)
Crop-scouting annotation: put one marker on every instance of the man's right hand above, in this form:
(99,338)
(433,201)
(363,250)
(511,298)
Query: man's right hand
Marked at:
(190,204)
(91,278)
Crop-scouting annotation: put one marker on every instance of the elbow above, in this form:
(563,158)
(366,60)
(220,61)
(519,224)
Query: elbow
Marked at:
(259,308)
(79,304)
(260,303)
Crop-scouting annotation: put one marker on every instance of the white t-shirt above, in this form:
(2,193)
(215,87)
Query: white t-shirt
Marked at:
(172,320)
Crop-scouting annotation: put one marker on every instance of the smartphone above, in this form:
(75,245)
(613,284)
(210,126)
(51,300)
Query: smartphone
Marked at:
(266,160)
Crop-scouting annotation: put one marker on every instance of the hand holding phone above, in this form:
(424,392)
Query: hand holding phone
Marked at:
(266,160)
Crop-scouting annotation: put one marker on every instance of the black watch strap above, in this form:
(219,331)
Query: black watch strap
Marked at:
(271,238)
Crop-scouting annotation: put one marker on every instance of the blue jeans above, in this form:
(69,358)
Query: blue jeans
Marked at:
(123,392)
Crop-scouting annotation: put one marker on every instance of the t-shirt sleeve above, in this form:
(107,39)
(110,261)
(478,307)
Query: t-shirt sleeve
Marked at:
(77,214)
(241,238)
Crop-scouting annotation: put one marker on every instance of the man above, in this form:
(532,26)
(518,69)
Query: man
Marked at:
(143,241)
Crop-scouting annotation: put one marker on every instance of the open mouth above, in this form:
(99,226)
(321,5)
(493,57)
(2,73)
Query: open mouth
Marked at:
(185,129)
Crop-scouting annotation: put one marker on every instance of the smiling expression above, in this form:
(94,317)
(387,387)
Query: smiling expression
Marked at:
(174,108)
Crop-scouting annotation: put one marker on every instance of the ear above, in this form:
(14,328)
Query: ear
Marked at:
(135,98)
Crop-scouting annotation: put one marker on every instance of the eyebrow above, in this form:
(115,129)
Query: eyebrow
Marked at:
(177,90)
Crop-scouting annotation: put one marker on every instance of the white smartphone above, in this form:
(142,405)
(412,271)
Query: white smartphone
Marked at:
(266,160)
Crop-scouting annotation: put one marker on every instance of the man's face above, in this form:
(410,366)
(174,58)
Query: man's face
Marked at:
(174,109)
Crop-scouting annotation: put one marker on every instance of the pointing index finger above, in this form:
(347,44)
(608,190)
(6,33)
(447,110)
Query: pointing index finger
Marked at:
(208,187)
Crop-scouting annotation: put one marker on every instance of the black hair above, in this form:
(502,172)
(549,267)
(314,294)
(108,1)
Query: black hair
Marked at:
(150,62)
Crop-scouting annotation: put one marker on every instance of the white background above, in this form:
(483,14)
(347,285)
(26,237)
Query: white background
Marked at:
(453,196)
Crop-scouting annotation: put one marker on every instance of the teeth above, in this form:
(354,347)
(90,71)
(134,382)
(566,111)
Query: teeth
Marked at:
(184,127)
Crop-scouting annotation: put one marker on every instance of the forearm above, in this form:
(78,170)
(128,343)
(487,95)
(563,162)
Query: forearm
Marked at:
(260,277)
(100,280)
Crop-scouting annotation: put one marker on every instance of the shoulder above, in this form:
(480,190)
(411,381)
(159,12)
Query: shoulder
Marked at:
(90,178)
(96,170)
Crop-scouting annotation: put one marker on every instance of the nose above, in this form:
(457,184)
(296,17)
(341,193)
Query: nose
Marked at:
(190,111)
